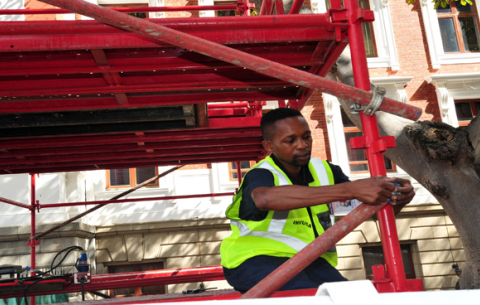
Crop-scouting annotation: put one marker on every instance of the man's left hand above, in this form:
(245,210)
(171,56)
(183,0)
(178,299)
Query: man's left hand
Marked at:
(403,194)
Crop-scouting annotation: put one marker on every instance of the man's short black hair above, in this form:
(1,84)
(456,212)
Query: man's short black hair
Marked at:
(267,124)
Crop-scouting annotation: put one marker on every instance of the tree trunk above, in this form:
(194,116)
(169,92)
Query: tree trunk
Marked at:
(445,160)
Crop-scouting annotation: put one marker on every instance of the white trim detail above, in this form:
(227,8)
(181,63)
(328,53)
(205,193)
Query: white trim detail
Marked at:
(434,40)
(395,86)
(451,87)
(336,136)
(384,37)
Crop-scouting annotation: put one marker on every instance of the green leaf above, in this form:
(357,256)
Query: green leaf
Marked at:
(463,2)
(469,2)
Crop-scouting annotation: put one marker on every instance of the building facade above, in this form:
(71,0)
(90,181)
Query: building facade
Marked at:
(424,57)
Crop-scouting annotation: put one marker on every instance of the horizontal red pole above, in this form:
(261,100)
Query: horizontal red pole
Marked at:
(77,27)
(134,279)
(166,136)
(166,87)
(108,149)
(228,105)
(138,161)
(119,155)
(58,103)
(235,57)
(71,204)
(15,203)
(124,9)
(55,168)
(171,64)
(73,42)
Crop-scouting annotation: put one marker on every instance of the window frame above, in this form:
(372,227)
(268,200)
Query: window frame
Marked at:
(133,179)
(232,171)
(408,245)
(455,15)
(473,108)
(356,129)
(434,40)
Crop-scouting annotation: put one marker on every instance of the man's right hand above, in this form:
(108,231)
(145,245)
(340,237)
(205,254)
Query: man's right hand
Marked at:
(372,191)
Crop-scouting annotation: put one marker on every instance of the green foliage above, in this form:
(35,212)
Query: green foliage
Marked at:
(444,3)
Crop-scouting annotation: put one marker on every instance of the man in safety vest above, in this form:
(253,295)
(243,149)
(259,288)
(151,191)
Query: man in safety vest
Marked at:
(281,206)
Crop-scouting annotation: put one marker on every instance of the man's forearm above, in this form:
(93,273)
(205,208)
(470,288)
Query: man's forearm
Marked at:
(290,197)
(373,191)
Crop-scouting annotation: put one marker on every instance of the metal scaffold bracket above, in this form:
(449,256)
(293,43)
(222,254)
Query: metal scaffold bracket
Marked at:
(373,106)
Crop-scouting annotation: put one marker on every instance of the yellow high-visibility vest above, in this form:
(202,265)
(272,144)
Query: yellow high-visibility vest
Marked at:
(281,233)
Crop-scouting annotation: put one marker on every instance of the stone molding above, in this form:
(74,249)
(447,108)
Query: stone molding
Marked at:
(450,87)
(75,229)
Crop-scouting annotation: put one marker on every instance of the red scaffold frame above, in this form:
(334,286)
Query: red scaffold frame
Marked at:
(392,281)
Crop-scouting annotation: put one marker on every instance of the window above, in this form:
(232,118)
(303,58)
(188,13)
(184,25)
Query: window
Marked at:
(125,292)
(459,28)
(356,157)
(452,33)
(225,13)
(245,166)
(129,177)
(374,256)
(466,111)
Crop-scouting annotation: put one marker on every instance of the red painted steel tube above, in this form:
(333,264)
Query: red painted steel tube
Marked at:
(140,279)
(266,8)
(386,218)
(15,203)
(233,56)
(124,138)
(228,105)
(12,28)
(101,158)
(311,252)
(296,6)
(70,204)
(33,225)
(124,9)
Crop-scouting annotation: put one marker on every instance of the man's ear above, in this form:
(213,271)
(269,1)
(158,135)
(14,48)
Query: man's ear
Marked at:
(267,145)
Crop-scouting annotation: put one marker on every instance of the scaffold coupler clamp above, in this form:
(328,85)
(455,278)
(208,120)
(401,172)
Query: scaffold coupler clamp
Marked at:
(375,102)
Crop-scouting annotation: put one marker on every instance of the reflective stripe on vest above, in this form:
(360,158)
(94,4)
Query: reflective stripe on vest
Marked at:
(279,218)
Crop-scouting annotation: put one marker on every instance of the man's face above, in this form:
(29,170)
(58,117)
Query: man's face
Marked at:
(291,142)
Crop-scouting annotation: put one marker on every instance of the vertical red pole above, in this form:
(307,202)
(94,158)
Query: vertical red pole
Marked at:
(239,173)
(33,242)
(376,163)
